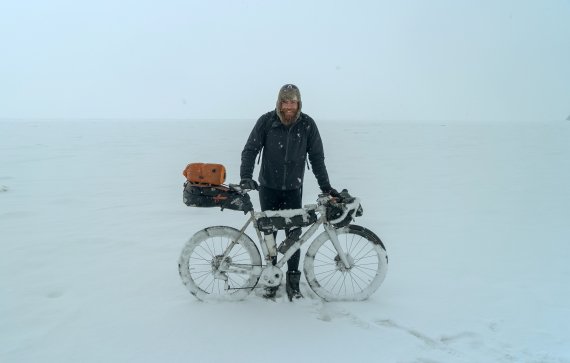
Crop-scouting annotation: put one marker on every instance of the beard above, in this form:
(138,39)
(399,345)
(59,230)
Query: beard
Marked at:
(288,116)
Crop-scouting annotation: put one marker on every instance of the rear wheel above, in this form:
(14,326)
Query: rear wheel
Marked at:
(330,279)
(208,275)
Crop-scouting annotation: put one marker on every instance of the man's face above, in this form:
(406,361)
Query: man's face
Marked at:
(289,109)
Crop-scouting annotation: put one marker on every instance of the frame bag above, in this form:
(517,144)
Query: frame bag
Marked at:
(303,218)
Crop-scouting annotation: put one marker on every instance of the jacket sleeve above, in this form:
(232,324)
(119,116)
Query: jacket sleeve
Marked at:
(317,155)
(252,147)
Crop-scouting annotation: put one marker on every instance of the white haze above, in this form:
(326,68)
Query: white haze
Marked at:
(474,218)
(365,60)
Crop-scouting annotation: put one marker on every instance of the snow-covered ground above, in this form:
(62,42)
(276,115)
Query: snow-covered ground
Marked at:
(474,217)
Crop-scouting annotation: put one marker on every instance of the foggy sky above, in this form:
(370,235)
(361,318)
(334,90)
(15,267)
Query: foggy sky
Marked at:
(362,60)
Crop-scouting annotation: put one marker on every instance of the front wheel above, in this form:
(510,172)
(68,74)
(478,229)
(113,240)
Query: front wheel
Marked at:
(208,275)
(330,279)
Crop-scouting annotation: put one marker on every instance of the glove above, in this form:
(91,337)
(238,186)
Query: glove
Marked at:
(327,189)
(248,184)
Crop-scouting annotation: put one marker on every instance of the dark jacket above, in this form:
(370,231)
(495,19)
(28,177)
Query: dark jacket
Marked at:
(285,151)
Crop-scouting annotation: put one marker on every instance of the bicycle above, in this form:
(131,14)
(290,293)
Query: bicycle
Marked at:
(344,262)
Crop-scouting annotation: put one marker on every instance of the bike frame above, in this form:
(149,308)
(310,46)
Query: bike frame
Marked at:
(269,246)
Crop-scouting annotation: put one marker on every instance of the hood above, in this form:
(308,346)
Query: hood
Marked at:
(288,92)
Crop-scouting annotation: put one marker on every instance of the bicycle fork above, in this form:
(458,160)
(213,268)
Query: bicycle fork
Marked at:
(334,239)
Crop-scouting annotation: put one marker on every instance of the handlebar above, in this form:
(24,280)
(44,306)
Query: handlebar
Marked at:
(239,189)
(349,204)
(347,208)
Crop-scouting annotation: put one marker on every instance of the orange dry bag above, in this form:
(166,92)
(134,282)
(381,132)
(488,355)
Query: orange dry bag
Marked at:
(203,173)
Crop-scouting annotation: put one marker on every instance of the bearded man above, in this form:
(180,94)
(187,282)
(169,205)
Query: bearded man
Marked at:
(285,137)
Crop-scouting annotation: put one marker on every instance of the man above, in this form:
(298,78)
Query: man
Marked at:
(286,136)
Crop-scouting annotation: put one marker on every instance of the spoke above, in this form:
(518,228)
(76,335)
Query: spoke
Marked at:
(329,247)
(373,263)
(325,265)
(352,283)
(210,284)
(201,257)
(327,262)
(373,257)
(343,284)
(205,250)
(221,244)
(208,249)
(332,275)
(366,273)
(236,277)
(346,283)
(235,282)
(337,281)
(344,241)
(363,247)
(206,254)
(352,245)
(201,275)
(326,279)
(215,243)
(239,254)
(325,272)
(371,253)
(356,282)
(365,268)
(221,250)
(358,277)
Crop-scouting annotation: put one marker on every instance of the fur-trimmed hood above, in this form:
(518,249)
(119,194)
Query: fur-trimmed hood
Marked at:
(287,93)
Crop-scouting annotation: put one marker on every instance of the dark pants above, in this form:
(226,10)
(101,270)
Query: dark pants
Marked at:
(273,199)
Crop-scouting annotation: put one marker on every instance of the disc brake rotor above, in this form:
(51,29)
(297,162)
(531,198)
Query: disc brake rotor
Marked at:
(340,266)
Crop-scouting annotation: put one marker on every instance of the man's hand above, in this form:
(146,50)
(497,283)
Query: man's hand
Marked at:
(248,184)
(327,189)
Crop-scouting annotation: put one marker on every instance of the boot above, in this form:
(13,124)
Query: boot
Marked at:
(292,285)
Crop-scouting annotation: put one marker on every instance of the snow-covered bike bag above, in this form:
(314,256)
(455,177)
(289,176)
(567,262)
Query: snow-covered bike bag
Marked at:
(270,221)
(336,207)
(205,173)
(207,196)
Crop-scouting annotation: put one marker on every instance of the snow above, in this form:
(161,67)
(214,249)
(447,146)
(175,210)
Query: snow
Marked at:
(288,213)
(474,217)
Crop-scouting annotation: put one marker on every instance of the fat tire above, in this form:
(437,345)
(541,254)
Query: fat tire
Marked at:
(329,281)
(194,264)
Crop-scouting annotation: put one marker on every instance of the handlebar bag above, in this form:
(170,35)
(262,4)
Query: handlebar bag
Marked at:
(206,196)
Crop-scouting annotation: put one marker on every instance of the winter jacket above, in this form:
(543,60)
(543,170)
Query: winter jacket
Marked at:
(285,151)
